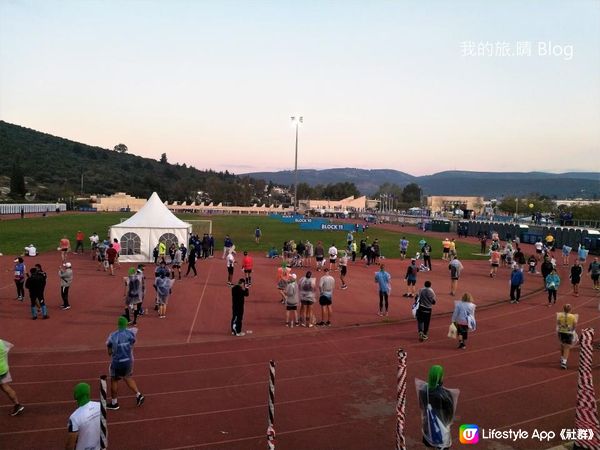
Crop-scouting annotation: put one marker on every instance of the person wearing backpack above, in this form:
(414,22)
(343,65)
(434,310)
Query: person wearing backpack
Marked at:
(307,299)
(438,405)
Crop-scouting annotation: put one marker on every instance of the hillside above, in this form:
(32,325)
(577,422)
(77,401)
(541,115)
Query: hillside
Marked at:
(53,167)
(487,184)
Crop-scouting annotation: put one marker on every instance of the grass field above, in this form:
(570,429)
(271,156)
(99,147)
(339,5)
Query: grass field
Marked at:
(45,233)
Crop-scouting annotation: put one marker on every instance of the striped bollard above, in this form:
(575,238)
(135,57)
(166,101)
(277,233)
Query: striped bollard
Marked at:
(401,401)
(586,415)
(103,428)
(271,418)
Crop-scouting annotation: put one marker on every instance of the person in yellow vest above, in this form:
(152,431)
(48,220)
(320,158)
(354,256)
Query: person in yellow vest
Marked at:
(162,250)
(5,378)
(565,325)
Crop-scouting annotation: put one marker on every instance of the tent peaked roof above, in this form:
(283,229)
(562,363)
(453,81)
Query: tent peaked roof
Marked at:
(154,214)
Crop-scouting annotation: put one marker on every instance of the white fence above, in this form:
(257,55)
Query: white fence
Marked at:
(15,208)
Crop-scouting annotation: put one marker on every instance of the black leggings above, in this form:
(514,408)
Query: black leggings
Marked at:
(423,319)
(191,266)
(427,261)
(383,298)
(20,288)
(551,295)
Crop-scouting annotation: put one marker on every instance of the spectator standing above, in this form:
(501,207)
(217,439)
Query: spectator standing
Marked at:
(426,298)
(333,254)
(163,285)
(35,285)
(319,255)
(594,271)
(463,317)
(176,262)
(79,237)
(120,348)
(283,278)
(326,287)
(247,267)
(426,253)
(227,246)
(383,280)
(547,267)
(257,235)
(19,277)
(230,263)
(516,281)
(403,247)
(65,274)
(64,246)
(239,292)
(552,284)
(291,301)
(84,424)
(6,379)
(94,240)
(455,268)
(307,287)
(576,272)
(411,278)
(343,264)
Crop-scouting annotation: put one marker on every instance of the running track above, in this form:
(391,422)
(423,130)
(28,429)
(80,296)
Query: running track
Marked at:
(335,387)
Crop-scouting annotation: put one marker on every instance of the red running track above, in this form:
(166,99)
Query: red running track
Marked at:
(335,387)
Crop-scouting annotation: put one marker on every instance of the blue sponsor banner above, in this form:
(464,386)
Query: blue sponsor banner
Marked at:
(327,226)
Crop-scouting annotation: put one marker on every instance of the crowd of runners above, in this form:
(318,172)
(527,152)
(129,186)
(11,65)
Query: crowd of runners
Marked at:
(304,274)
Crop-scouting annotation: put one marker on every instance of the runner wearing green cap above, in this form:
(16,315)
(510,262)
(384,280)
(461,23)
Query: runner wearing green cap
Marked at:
(84,423)
(438,405)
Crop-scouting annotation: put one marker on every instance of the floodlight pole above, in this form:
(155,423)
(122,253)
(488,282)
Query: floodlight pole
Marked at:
(297,121)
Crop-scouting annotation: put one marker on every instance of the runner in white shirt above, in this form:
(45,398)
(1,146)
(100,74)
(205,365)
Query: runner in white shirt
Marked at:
(84,423)
(230,261)
(333,252)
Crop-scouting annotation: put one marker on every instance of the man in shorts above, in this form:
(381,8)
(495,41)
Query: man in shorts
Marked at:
(403,247)
(94,239)
(343,264)
(84,423)
(120,348)
(247,266)
(64,248)
(230,263)
(333,254)
(411,278)
(319,255)
(326,287)
(79,237)
(291,301)
(111,257)
(5,378)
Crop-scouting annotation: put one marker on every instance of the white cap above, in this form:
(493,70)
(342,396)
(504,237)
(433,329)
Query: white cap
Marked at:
(67,265)
(294,276)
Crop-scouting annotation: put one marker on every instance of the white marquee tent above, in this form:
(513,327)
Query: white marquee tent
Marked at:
(139,234)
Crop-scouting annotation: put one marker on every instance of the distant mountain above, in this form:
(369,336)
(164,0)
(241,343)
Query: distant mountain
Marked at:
(455,182)
(367,181)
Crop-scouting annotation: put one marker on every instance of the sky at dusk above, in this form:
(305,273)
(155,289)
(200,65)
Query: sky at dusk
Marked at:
(417,86)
